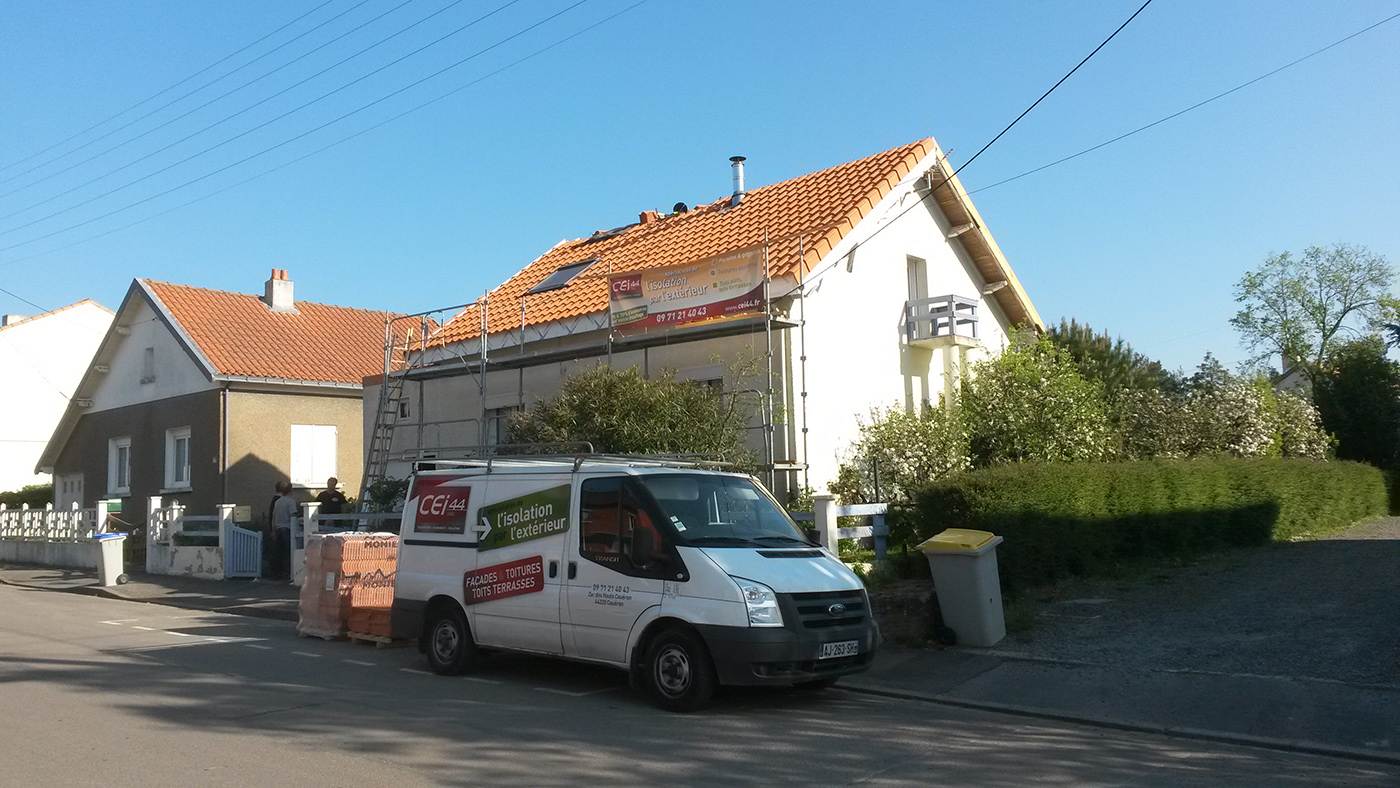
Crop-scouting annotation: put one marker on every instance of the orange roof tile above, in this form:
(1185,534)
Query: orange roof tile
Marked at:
(242,337)
(816,210)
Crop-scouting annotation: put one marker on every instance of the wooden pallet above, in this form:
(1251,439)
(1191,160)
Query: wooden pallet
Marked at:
(379,641)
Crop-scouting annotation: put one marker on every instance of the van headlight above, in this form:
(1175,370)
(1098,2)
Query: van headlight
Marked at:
(761,602)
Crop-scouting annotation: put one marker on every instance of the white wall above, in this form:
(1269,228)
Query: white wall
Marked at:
(43,359)
(176,374)
(857,357)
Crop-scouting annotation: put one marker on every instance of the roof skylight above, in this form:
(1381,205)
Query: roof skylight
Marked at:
(562,276)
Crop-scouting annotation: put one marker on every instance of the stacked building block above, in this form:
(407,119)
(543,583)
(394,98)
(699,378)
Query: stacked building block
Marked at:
(349,584)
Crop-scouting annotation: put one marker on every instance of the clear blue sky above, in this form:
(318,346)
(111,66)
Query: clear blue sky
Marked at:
(1144,238)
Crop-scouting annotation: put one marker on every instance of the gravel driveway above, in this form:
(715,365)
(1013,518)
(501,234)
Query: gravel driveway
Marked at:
(1322,609)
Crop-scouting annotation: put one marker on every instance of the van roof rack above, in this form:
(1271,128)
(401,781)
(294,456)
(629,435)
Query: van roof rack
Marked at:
(488,458)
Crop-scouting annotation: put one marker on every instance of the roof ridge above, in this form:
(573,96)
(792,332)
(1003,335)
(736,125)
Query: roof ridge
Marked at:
(56,310)
(257,297)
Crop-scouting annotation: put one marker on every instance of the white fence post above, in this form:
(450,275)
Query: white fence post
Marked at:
(824,517)
(153,515)
(225,511)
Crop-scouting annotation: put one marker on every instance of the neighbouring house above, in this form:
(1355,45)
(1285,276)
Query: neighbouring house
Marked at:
(208,397)
(873,283)
(44,357)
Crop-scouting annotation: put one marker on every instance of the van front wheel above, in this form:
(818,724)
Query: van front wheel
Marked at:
(679,670)
(450,646)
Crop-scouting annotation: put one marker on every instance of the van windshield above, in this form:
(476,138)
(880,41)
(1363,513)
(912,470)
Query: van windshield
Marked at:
(721,511)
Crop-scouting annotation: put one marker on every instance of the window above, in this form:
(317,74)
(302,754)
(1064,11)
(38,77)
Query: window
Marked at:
(148,366)
(313,454)
(177,458)
(119,466)
(498,424)
(562,276)
(619,531)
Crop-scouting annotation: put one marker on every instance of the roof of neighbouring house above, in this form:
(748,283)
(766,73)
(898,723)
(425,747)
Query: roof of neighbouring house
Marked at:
(52,312)
(801,219)
(239,336)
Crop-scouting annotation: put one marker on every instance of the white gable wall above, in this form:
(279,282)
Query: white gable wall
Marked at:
(43,360)
(176,374)
(857,357)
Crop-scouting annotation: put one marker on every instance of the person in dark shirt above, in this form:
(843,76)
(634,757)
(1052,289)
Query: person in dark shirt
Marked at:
(332,500)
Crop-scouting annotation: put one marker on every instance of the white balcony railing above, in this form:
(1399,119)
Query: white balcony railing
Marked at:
(940,316)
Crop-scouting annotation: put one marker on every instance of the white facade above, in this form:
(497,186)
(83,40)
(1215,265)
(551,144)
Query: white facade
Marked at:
(147,364)
(44,358)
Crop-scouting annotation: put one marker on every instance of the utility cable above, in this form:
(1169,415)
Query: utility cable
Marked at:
(322,149)
(256,104)
(1197,105)
(274,147)
(158,94)
(167,104)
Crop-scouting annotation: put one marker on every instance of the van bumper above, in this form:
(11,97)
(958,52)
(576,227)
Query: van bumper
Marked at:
(406,619)
(771,655)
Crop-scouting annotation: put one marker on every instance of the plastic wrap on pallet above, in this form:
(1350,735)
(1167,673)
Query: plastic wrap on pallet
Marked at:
(347,573)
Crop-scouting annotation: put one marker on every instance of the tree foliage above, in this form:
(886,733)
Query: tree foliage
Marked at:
(899,452)
(1358,395)
(618,410)
(36,495)
(1301,306)
(1111,362)
(1031,404)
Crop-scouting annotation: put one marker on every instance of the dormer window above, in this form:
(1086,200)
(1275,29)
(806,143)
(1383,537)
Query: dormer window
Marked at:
(562,276)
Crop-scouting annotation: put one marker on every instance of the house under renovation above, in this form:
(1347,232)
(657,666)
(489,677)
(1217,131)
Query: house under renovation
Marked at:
(870,284)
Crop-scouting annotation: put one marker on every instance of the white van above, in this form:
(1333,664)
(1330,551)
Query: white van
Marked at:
(685,577)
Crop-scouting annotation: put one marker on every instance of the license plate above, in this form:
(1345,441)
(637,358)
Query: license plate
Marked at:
(846,648)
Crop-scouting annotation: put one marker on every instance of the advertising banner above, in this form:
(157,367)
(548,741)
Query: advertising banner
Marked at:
(525,576)
(439,509)
(533,516)
(720,286)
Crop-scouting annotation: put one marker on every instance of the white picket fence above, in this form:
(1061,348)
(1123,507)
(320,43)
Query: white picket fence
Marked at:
(207,546)
(54,537)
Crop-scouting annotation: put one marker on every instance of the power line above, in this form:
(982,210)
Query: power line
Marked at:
(1197,105)
(265,151)
(338,142)
(250,107)
(166,90)
(226,119)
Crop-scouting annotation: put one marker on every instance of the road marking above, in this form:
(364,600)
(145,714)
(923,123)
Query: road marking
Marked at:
(181,634)
(483,681)
(574,694)
(143,629)
(118,622)
(416,670)
(306,654)
(357,662)
(255,645)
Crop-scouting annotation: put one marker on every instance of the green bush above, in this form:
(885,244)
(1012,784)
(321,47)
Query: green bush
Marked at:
(1067,519)
(36,495)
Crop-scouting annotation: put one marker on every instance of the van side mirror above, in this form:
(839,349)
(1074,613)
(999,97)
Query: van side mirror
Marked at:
(812,535)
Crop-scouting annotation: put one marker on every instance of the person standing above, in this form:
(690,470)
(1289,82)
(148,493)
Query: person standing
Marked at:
(332,500)
(284,513)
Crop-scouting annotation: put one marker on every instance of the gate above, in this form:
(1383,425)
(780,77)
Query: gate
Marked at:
(242,552)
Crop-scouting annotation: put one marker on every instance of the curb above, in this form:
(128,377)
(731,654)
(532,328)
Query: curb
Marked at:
(1195,734)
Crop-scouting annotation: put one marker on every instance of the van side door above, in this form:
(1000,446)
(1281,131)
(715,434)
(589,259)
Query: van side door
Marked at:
(513,596)
(609,584)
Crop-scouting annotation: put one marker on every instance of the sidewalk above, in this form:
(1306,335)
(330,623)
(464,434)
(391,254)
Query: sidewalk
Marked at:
(1288,713)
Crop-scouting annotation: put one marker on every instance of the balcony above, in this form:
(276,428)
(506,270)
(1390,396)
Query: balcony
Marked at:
(936,321)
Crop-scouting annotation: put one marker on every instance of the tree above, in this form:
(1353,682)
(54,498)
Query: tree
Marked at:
(1358,396)
(620,411)
(1110,361)
(1297,306)
(898,452)
(1031,404)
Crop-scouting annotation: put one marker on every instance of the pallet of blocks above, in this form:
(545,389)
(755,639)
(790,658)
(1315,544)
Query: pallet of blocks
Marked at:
(346,572)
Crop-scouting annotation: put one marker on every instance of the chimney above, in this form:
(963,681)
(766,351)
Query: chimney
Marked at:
(737,163)
(647,217)
(278,293)
(9,320)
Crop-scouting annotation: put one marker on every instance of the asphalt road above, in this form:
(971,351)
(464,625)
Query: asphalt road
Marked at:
(100,692)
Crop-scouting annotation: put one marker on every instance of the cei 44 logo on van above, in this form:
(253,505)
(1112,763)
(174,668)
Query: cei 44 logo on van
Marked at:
(437,507)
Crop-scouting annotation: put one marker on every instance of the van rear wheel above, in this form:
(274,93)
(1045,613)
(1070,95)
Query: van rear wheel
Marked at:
(451,649)
(679,671)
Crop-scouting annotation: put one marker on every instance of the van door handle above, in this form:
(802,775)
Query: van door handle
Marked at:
(553,569)
(573,569)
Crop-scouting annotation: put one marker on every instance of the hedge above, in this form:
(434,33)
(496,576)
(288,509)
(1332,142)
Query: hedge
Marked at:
(1061,519)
